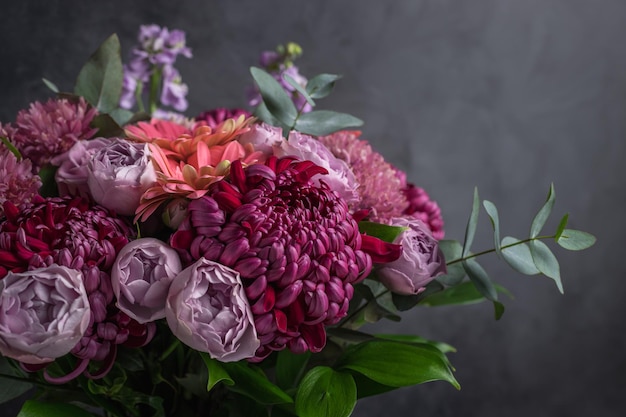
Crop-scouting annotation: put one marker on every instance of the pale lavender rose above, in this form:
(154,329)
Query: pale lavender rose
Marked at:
(421,260)
(269,140)
(119,174)
(208,310)
(43,313)
(71,176)
(141,278)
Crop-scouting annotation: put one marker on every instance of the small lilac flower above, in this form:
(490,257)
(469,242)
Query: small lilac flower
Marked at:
(207,309)
(269,140)
(421,260)
(71,176)
(43,313)
(119,174)
(141,278)
(174,91)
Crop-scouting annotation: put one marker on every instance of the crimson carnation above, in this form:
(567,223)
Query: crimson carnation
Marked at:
(380,189)
(71,233)
(296,246)
(48,129)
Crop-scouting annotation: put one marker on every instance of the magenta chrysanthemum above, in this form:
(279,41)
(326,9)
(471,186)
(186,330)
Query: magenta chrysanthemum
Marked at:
(17,181)
(70,233)
(48,129)
(380,189)
(295,245)
(423,208)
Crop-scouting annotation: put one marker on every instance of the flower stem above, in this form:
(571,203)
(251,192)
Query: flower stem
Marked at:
(155,81)
(361,308)
(474,255)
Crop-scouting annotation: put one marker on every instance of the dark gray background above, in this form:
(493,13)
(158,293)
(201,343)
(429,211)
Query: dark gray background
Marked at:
(501,94)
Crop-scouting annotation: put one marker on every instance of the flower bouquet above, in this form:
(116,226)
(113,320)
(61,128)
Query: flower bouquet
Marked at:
(153,264)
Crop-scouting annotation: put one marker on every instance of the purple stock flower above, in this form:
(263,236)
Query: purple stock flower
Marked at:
(119,174)
(71,176)
(43,313)
(208,310)
(421,260)
(269,140)
(296,246)
(141,278)
(161,46)
(173,91)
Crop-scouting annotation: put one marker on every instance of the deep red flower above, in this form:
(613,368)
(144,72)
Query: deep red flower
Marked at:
(296,246)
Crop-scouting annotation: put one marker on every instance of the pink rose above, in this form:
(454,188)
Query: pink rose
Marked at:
(43,313)
(269,140)
(71,177)
(141,276)
(420,262)
(207,309)
(119,174)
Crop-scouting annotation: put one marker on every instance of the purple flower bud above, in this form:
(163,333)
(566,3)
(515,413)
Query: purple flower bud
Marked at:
(43,313)
(421,260)
(174,91)
(119,174)
(208,310)
(141,278)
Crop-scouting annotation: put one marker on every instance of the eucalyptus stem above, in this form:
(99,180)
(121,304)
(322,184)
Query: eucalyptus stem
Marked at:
(155,80)
(300,111)
(485,252)
(361,308)
(138,98)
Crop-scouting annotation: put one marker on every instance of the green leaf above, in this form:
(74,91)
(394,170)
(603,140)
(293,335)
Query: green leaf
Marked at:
(518,256)
(48,183)
(414,339)
(325,392)
(123,116)
(254,384)
(217,373)
(264,114)
(299,89)
(278,102)
(348,335)
(562,225)
(498,309)
(492,211)
(452,250)
(544,212)
(384,232)
(397,364)
(107,126)
(480,279)
(11,148)
(321,85)
(9,387)
(100,79)
(365,387)
(572,239)
(324,122)
(464,293)
(52,86)
(470,230)
(407,302)
(289,367)
(33,408)
(546,262)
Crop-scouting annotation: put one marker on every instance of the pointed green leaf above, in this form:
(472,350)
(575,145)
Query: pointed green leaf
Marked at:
(276,99)
(546,262)
(407,302)
(264,114)
(452,251)
(52,86)
(107,127)
(562,226)
(48,184)
(10,388)
(251,381)
(122,116)
(34,408)
(299,89)
(572,239)
(498,309)
(321,85)
(324,122)
(382,231)
(325,392)
(100,79)
(397,364)
(289,367)
(464,293)
(217,373)
(414,339)
(470,229)
(518,256)
(480,279)
(544,212)
(492,211)
(11,147)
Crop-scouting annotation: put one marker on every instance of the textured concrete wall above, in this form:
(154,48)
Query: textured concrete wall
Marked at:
(501,94)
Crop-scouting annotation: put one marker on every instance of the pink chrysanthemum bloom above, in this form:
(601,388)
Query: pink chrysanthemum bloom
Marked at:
(49,129)
(18,184)
(216,117)
(188,164)
(71,233)
(295,244)
(380,189)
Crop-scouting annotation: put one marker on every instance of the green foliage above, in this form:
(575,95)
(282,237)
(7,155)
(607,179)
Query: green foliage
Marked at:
(100,79)
(325,392)
(10,386)
(382,231)
(517,254)
(11,147)
(299,89)
(472,223)
(492,212)
(546,262)
(276,100)
(52,86)
(217,373)
(34,408)
(324,122)
(48,184)
(321,85)
(252,382)
(290,367)
(542,216)
(575,239)
(464,293)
